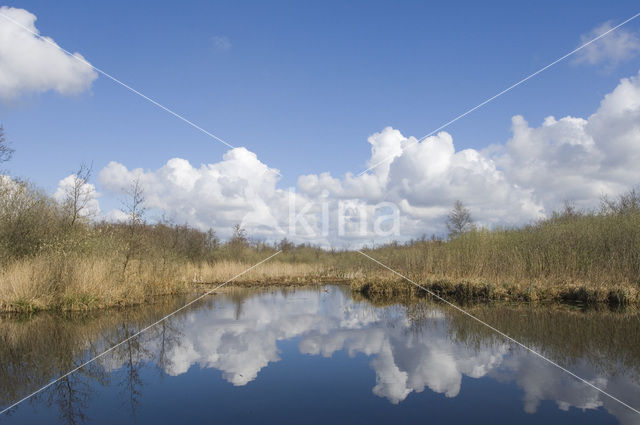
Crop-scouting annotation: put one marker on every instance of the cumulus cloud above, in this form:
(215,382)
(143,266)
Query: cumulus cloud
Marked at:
(29,64)
(574,158)
(116,216)
(239,336)
(238,189)
(86,194)
(420,184)
(406,362)
(241,339)
(423,179)
(524,179)
(545,383)
(616,47)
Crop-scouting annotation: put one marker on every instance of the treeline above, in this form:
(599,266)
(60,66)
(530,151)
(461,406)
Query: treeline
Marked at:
(55,254)
(33,223)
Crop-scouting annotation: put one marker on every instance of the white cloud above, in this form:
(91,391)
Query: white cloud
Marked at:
(545,383)
(221,42)
(237,189)
(424,179)
(87,195)
(116,216)
(406,362)
(574,158)
(239,336)
(29,64)
(241,340)
(618,46)
(532,174)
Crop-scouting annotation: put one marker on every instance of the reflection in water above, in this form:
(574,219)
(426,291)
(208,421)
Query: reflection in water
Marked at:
(410,348)
(35,350)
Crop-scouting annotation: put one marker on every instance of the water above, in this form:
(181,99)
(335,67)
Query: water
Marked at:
(318,355)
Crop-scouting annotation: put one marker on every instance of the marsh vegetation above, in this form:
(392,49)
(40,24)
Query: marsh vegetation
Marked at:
(55,254)
(52,256)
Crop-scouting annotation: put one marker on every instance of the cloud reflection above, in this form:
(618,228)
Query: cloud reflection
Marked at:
(239,336)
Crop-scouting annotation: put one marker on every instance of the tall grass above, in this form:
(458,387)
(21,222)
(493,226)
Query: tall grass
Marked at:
(50,261)
(588,256)
(593,247)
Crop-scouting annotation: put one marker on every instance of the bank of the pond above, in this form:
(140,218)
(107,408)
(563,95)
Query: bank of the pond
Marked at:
(469,290)
(94,284)
(53,258)
(89,284)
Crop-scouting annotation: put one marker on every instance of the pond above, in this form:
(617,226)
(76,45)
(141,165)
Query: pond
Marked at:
(321,355)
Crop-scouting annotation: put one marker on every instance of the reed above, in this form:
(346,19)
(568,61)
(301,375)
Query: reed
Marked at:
(591,257)
(48,261)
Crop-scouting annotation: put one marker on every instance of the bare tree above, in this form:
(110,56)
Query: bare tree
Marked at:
(6,153)
(239,240)
(625,204)
(72,397)
(459,219)
(134,205)
(78,195)
(135,209)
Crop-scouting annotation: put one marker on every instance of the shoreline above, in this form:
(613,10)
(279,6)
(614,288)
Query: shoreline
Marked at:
(376,289)
(476,290)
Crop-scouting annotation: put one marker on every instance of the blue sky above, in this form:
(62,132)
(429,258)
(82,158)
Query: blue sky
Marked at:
(300,84)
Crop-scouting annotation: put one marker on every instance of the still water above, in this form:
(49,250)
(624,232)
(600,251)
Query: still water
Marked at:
(318,355)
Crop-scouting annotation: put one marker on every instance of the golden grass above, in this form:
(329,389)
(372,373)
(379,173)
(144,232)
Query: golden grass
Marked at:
(267,273)
(87,283)
(49,262)
(80,284)
(590,259)
(468,290)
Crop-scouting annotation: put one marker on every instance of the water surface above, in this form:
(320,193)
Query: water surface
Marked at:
(317,355)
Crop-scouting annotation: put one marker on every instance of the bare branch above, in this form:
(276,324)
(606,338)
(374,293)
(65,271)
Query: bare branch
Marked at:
(134,206)
(6,153)
(79,194)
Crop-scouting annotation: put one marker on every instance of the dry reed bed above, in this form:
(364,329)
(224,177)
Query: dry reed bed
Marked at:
(81,284)
(273,272)
(51,260)
(590,259)
(89,283)
(466,290)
